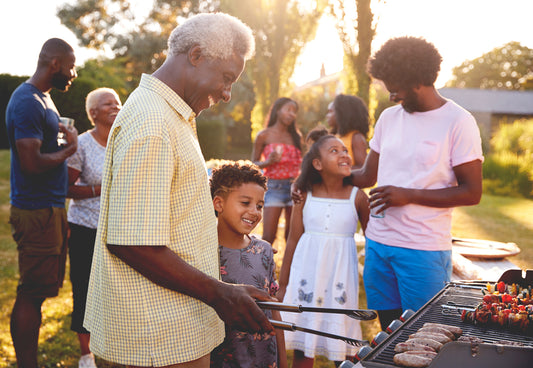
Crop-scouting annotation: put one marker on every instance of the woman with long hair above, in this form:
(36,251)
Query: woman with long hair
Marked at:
(278,151)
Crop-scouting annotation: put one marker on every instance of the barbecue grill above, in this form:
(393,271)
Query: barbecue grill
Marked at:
(490,353)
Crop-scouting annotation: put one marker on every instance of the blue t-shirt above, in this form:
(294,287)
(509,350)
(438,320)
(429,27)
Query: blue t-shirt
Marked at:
(31,113)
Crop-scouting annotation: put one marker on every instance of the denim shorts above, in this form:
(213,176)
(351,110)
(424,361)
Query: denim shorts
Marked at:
(278,193)
(396,277)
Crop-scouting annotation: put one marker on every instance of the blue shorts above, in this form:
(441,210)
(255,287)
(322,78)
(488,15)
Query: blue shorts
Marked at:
(278,193)
(403,278)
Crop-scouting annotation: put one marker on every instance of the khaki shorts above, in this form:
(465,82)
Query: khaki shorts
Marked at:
(41,236)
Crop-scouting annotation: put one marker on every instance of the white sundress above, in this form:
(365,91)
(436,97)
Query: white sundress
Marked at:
(324,274)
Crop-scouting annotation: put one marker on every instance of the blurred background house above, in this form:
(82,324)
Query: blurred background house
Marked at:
(492,107)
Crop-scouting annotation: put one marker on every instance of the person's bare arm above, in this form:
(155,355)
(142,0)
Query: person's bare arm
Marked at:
(259,145)
(80,191)
(33,161)
(366,176)
(234,304)
(361,205)
(296,231)
(359,149)
(466,193)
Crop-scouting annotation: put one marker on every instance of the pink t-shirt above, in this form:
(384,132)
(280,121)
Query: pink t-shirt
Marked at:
(419,151)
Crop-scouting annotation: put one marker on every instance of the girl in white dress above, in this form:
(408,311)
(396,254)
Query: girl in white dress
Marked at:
(320,263)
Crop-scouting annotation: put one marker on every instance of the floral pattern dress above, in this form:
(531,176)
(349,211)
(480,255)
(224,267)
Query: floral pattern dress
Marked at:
(253,265)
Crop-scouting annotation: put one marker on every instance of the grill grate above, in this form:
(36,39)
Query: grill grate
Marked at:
(382,355)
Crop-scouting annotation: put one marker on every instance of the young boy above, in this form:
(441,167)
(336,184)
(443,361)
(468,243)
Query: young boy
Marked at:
(238,190)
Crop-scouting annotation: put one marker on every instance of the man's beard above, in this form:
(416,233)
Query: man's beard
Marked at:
(410,102)
(60,81)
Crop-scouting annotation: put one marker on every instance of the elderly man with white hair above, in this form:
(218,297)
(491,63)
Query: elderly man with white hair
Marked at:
(155,298)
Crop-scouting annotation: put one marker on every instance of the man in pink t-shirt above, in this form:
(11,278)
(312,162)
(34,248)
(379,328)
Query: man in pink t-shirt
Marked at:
(426,158)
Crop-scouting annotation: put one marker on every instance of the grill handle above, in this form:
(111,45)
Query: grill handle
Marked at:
(360,314)
(287,326)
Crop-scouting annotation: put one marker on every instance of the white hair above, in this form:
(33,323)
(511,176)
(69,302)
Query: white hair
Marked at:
(91,101)
(219,36)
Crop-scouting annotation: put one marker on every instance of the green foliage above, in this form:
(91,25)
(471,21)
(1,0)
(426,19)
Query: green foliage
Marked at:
(111,25)
(356,34)
(515,138)
(282,28)
(212,137)
(112,73)
(507,175)
(313,106)
(8,84)
(236,117)
(502,68)
(509,168)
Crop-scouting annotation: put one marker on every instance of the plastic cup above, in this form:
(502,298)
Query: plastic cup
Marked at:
(373,212)
(67,122)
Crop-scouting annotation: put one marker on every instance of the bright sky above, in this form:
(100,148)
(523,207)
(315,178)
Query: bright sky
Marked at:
(460,29)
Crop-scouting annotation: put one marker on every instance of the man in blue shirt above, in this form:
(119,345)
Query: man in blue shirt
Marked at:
(38,189)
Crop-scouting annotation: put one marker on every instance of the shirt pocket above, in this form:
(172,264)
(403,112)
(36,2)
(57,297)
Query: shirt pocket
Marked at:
(427,153)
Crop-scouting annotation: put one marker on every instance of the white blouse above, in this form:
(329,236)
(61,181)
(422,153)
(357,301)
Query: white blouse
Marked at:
(89,161)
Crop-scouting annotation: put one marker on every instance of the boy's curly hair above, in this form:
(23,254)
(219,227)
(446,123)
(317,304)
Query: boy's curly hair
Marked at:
(406,62)
(234,174)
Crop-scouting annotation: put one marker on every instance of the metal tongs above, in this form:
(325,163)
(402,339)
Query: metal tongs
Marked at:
(453,308)
(468,284)
(287,326)
(361,314)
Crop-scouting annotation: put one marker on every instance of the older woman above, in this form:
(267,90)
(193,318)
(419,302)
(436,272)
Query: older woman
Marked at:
(85,175)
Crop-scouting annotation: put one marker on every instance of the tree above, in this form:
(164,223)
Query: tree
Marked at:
(112,73)
(504,67)
(282,28)
(357,42)
(111,25)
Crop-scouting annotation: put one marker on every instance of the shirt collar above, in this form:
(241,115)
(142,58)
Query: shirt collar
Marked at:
(172,98)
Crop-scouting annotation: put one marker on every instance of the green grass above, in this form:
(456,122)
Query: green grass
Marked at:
(496,218)
(502,219)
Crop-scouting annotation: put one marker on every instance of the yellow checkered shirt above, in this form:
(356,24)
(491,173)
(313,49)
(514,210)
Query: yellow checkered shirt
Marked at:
(155,191)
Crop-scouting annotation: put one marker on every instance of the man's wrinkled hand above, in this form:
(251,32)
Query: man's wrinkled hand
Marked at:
(236,306)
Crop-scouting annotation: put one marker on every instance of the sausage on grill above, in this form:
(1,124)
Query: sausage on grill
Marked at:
(440,330)
(427,342)
(411,360)
(411,346)
(453,329)
(427,354)
(443,339)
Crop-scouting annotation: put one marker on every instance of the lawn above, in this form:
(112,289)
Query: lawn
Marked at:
(495,218)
